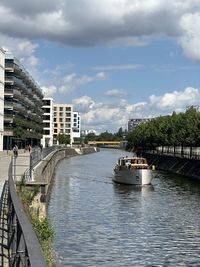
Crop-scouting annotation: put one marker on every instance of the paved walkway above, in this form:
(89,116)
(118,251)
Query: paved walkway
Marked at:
(22,163)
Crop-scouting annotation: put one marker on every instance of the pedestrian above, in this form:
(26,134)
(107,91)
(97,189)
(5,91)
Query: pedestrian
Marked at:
(29,148)
(15,150)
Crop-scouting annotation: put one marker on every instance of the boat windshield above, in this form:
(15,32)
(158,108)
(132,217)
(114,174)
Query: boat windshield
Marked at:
(134,161)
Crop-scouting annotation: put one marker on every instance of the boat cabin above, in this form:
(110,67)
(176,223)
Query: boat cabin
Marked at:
(136,162)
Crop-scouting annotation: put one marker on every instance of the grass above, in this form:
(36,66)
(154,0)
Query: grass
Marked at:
(42,226)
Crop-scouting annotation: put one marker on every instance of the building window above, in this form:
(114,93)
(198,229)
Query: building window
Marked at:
(55,125)
(75,115)
(67,131)
(68,119)
(46,132)
(60,120)
(61,125)
(61,108)
(61,114)
(68,108)
(67,125)
(54,114)
(68,114)
(54,119)
(55,130)
(55,108)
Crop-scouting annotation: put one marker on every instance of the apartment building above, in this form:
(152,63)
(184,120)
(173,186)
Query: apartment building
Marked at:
(133,123)
(62,121)
(22,106)
(48,106)
(76,127)
(2,70)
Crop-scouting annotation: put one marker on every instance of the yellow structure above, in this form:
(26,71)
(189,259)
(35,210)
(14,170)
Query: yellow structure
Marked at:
(104,143)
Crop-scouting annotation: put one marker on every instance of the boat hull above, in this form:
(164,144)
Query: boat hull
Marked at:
(133,177)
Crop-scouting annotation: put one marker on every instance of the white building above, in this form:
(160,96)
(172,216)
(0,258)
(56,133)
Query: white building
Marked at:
(62,121)
(2,75)
(76,127)
(59,119)
(48,105)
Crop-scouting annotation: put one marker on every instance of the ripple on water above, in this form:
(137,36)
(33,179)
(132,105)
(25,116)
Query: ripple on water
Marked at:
(98,223)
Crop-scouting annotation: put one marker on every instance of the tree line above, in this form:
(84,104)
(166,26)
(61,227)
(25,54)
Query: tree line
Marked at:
(106,136)
(182,129)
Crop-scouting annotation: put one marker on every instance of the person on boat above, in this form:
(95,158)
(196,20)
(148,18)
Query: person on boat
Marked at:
(128,164)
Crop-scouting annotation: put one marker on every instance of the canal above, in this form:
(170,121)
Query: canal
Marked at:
(99,223)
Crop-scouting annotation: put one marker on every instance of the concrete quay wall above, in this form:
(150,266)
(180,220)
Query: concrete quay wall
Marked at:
(183,166)
(43,173)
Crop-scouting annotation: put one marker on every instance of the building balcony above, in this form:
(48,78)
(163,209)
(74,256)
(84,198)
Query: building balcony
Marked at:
(8,118)
(9,67)
(19,107)
(8,131)
(9,80)
(17,93)
(8,105)
(8,92)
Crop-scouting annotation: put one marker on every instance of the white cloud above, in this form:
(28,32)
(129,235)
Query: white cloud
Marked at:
(120,67)
(104,116)
(72,81)
(105,22)
(49,91)
(190,40)
(116,93)
(22,49)
(175,100)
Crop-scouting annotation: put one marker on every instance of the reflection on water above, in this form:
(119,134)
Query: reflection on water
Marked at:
(100,223)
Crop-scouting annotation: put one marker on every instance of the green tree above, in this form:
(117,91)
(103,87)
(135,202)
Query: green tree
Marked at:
(90,137)
(63,139)
(105,136)
(175,130)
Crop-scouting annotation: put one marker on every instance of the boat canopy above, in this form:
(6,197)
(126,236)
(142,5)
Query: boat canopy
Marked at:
(132,160)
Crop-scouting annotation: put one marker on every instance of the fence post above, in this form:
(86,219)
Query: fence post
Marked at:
(30,165)
(14,168)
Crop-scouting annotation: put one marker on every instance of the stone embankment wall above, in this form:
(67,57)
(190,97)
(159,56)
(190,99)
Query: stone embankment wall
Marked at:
(183,166)
(42,174)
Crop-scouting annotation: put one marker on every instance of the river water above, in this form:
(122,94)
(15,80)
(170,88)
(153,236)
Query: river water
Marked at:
(100,224)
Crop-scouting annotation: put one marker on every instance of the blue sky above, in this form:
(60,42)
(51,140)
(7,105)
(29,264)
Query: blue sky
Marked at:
(113,59)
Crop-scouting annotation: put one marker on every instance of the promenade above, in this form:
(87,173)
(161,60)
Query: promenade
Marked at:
(22,163)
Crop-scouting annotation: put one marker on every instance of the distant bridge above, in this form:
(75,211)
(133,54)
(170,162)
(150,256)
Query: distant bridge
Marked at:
(115,144)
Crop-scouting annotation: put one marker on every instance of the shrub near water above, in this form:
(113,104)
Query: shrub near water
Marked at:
(45,234)
(42,227)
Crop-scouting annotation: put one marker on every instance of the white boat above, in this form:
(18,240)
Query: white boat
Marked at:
(133,171)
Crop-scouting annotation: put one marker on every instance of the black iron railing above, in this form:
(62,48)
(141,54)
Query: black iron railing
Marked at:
(176,151)
(19,243)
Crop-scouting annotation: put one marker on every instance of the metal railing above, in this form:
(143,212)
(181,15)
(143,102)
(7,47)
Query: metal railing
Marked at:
(18,237)
(36,156)
(177,151)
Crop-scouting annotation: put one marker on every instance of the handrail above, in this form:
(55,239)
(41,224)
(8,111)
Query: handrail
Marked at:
(176,151)
(25,246)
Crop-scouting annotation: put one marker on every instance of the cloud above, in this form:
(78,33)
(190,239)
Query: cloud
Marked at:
(120,67)
(103,116)
(49,91)
(115,93)
(60,83)
(190,40)
(23,49)
(105,22)
(73,81)
(175,100)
